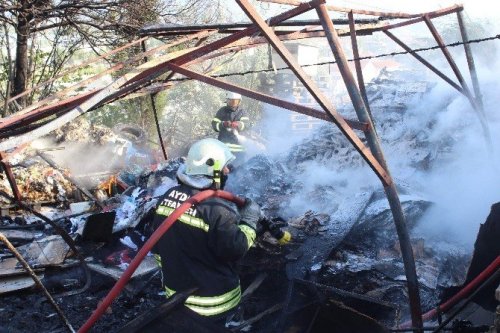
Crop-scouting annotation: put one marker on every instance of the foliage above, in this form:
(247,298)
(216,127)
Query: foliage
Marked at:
(62,34)
(191,105)
(42,37)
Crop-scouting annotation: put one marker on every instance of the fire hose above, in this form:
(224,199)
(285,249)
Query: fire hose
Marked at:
(155,237)
(487,272)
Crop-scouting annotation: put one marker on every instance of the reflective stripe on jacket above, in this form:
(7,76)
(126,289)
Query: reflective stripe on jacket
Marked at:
(201,250)
(211,306)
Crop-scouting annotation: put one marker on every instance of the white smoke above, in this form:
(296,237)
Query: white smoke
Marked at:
(466,187)
(463,182)
(276,127)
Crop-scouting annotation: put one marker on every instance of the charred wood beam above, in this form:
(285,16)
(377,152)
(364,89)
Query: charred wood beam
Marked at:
(376,149)
(153,88)
(308,111)
(75,182)
(310,32)
(366,29)
(39,283)
(10,176)
(316,92)
(133,87)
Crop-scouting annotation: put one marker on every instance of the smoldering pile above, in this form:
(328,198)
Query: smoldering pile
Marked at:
(340,219)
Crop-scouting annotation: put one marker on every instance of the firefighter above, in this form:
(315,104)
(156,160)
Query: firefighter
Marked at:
(229,121)
(202,248)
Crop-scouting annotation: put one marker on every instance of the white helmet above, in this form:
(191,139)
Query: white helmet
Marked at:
(232,95)
(208,157)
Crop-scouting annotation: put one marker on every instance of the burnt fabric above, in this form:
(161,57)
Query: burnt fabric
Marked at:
(201,250)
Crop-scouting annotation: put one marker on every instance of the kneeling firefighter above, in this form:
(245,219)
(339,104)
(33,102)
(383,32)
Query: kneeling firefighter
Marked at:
(202,248)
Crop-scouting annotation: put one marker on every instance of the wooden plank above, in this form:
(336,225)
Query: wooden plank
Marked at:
(10,267)
(16,283)
(21,235)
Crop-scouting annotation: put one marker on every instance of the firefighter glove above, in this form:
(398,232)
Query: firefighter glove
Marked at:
(235,124)
(250,213)
(275,228)
(226,124)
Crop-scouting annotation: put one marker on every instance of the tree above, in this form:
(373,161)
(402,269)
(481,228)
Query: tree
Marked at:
(66,25)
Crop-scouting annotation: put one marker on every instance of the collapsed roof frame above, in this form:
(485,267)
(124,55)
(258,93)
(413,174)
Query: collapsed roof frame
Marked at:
(36,120)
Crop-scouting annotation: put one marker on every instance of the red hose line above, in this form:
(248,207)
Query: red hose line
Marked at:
(464,292)
(155,237)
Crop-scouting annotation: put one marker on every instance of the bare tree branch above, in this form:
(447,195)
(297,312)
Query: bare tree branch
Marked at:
(98,23)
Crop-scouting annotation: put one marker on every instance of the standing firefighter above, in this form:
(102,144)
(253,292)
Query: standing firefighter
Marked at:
(229,121)
(202,248)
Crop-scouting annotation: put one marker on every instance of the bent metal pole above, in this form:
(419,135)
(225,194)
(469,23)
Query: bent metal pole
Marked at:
(155,237)
(373,142)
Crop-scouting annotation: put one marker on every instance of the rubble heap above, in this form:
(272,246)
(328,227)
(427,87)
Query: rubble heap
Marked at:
(343,265)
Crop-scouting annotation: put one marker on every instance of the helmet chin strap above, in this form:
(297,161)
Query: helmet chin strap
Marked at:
(217,175)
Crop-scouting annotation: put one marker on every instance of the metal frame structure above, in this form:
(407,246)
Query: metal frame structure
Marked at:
(152,71)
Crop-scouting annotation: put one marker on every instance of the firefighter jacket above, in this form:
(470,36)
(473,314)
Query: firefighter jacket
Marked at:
(227,135)
(201,250)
